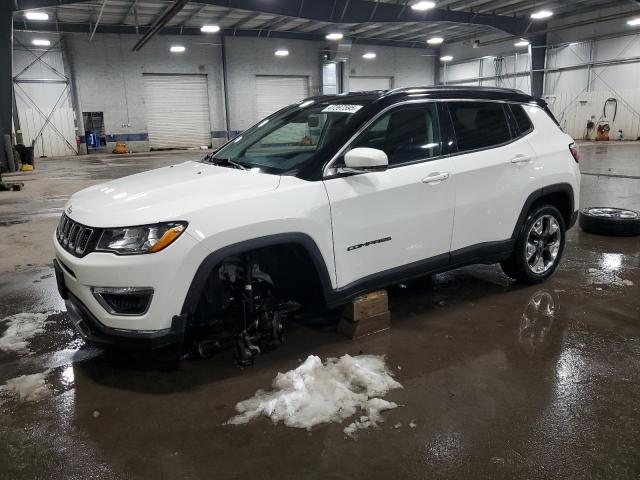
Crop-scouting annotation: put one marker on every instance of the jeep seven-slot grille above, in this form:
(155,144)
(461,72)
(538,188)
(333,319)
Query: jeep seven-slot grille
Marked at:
(73,236)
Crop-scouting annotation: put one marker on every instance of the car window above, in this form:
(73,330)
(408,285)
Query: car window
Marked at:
(291,138)
(405,134)
(522,119)
(479,124)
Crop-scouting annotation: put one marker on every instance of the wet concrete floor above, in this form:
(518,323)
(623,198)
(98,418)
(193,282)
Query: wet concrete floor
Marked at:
(501,380)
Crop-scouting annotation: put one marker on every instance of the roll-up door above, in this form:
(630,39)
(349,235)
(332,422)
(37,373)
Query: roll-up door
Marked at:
(177,110)
(275,92)
(366,84)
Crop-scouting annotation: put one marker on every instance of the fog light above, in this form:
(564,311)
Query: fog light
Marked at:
(124,300)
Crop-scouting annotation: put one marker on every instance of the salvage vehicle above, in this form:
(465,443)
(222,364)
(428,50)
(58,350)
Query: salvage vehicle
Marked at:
(314,205)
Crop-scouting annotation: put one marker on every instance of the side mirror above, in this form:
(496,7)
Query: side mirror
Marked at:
(366,159)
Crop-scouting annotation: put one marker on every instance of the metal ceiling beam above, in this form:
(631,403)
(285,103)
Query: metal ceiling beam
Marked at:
(228,32)
(129,11)
(191,16)
(361,11)
(160,22)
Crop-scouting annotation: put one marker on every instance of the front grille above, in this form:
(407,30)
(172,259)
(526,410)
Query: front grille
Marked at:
(73,236)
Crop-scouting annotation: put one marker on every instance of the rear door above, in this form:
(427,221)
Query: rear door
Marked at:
(495,172)
(384,220)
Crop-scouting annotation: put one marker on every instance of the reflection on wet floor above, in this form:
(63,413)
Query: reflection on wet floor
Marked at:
(500,381)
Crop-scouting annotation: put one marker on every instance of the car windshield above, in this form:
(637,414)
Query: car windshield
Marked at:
(289,139)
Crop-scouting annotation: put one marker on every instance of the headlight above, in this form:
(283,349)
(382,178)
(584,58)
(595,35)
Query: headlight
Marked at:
(145,239)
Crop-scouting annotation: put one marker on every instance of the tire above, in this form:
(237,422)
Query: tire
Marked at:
(618,222)
(543,234)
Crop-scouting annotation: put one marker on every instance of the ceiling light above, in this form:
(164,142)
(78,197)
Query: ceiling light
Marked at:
(40,42)
(36,16)
(422,6)
(522,43)
(369,56)
(435,41)
(634,22)
(334,36)
(177,49)
(446,58)
(281,53)
(539,15)
(210,28)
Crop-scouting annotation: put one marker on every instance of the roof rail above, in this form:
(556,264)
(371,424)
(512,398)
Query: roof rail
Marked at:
(417,89)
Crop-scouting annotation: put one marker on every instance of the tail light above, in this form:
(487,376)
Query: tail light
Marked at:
(573,148)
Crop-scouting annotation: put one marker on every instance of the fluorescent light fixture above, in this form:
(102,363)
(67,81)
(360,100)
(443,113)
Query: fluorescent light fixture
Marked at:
(177,49)
(446,58)
(422,6)
(281,52)
(634,22)
(522,43)
(540,14)
(41,42)
(435,41)
(369,56)
(210,28)
(334,36)
(36,16)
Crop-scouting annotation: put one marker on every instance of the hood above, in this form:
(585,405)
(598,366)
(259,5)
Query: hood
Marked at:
(164,194)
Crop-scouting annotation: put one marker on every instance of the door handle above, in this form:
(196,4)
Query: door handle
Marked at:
(521,159)
(435,177)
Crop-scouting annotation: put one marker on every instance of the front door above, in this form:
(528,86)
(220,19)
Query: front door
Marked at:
(390,219)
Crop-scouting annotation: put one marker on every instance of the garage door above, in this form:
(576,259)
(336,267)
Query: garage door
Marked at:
(365,84)
(177,109)
(276,92)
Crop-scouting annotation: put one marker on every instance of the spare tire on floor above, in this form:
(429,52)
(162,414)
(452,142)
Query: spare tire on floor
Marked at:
(610,221)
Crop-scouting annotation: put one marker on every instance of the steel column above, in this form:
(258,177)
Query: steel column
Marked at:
(6,80)
(538,55)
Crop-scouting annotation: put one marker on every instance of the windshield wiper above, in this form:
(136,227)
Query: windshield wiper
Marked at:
(225,162)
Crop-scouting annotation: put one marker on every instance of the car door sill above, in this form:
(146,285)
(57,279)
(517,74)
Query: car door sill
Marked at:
(487,252)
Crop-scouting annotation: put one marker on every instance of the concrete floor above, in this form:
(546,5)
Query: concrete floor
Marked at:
(503,381)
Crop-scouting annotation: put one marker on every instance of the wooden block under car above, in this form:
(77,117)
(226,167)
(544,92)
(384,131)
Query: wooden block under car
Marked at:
(365,326)
(367,305)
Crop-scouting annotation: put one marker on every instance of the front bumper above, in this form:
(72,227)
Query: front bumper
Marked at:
(92,330)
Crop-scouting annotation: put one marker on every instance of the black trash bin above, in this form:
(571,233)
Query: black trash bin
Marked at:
(26,154)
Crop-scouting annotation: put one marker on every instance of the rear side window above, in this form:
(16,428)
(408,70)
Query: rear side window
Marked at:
(522,119)
(479,124)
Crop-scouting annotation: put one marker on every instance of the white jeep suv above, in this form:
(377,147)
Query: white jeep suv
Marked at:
(318,203)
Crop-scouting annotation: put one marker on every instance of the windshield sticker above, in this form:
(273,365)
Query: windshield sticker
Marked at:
(341,108)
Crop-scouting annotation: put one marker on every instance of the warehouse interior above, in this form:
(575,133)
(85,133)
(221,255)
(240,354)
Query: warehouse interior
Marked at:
(499,379)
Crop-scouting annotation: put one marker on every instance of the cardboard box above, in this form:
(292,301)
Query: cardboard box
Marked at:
(368,305)
(365,326)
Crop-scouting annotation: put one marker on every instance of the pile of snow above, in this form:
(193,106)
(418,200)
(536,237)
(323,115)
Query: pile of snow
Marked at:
(28,387)
(316,393)
(21,327)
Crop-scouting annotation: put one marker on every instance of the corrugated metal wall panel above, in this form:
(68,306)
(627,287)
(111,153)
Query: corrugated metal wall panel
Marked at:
(177,110)
(276,92)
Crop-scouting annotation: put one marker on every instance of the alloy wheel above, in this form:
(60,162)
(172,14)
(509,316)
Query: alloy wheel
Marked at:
(543,244)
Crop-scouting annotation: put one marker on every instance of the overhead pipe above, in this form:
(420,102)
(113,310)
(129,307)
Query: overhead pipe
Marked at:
(160,22)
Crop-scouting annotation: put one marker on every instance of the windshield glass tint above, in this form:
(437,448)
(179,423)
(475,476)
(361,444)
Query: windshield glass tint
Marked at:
(287,140)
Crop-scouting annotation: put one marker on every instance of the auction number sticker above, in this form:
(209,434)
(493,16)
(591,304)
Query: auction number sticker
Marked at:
(342,108)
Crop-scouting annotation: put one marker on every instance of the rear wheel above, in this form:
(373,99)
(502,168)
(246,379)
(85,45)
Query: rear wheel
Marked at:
(538,248)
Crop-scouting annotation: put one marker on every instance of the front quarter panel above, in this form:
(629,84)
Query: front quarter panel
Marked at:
(296,206)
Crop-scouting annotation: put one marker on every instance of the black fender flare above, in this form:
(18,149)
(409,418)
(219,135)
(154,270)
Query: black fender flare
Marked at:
(208,264)
(537,194)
